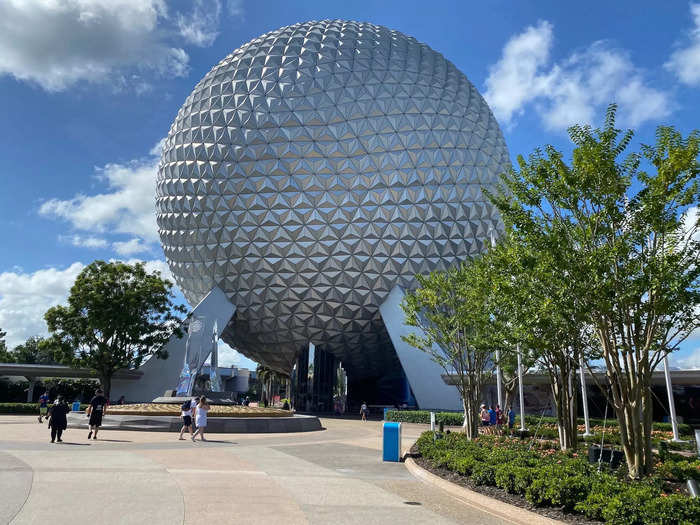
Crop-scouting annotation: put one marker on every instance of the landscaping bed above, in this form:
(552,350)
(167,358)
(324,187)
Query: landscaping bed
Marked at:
(546,427)
(563,486)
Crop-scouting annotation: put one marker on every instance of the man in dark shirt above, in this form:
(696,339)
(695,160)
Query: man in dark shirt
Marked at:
(96,409)
(43,405)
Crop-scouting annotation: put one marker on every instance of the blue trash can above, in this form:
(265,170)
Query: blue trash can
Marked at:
(391,441)
(385,411)
(76,406)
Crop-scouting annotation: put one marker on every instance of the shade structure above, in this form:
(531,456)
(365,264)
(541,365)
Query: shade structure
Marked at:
(311,171)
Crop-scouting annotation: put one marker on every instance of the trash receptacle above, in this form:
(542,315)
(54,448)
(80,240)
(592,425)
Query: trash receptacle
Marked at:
(385,411)
(391,441)
(76,406)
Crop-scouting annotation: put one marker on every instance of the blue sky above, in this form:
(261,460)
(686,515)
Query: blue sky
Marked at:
(90,87)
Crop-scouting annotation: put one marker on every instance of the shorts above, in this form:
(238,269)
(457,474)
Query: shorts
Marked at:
(484,423)
(95,419)
(43,410)
(187,421)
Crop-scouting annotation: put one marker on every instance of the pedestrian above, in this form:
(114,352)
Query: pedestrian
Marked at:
(485,420)
(186,412)
(499,418)
(58,421)
(202,409)
(364,411)
(96,411)
(121,400)
(492,420)
(43,405)
(511,418)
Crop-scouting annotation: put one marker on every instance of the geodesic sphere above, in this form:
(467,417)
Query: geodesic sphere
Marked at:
(314,169)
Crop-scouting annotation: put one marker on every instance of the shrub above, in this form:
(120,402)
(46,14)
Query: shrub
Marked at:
(25,408)
(454,419)
(679,470)
(672,510)
(483,474)
(628,507)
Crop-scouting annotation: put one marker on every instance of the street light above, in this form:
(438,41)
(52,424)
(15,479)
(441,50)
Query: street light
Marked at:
(499,379)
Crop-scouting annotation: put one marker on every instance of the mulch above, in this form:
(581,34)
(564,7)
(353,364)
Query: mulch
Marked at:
(497,493)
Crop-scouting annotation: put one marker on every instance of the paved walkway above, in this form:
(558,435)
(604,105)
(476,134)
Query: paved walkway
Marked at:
(333,476)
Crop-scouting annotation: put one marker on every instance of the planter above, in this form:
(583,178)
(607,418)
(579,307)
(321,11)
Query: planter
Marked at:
(610,456)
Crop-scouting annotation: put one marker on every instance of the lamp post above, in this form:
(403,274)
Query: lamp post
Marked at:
(520,388)
(584,398)
(499,380)
(671,403)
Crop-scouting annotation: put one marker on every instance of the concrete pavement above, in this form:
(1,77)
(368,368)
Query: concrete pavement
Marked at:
(126,477)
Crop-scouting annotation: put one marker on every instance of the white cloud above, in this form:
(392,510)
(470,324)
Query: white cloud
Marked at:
(81,241)
(574,90)
(129,207)
(687,361)
(58,43)
(25,297)
(685,61)
(227,355)
(199,26)
(130,247)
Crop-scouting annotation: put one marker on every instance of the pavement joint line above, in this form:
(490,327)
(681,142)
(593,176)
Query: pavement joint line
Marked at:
(216,471)
(500,509)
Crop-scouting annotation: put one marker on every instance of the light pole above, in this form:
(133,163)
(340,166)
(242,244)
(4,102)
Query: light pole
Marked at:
(499,380)
(520,388)
(671,403)
(584,396)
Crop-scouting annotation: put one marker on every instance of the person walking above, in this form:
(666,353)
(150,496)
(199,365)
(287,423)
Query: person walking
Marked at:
(364,411)
(485,420)
(43,405)
(96,411)
(499,419)
(202,410)
(58,421)
(511,418)
(492,420)
(186,410)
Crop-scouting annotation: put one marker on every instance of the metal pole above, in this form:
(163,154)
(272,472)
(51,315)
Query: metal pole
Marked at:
(499,386)
(671,403)
(584,398)
(499,381)
(520,388)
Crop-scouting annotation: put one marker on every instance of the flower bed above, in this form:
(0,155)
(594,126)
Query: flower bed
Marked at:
(546,477)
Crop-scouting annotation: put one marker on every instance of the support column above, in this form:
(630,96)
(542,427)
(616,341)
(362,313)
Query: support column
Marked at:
(671,402)
(520,388)
(30,391)
(584,399)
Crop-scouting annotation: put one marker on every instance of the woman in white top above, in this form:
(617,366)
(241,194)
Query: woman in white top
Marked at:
(201,418)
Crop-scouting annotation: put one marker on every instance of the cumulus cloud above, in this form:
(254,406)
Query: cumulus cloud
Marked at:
(130,247)
(689,361)
(576,89)
(56,44)
(200,26)
(81,241)
(685,61)
(25,296)
(127,207)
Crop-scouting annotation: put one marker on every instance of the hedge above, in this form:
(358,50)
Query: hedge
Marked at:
(548,477)
(457,418)
(26,408)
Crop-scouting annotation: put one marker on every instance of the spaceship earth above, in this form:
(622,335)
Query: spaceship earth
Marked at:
(314,169)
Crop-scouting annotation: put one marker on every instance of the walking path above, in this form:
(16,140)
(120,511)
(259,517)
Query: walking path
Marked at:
(333,476)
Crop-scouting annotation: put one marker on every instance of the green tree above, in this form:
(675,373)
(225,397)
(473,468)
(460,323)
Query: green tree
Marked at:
(5,355)
(537,311)
(35,350)
(615,230)
(453,314)
(117,314)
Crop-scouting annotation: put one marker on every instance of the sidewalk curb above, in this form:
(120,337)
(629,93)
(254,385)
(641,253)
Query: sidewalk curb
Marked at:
(486,504)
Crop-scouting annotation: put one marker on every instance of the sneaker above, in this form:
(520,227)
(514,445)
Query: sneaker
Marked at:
(90,434)
(60,440)
(39,418)
(52,441)
(192,439)
(94,437)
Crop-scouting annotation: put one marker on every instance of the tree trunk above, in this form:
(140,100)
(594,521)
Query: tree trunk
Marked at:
(564,399)
(106,383)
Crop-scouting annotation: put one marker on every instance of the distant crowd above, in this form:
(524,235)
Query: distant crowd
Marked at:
(494,420)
